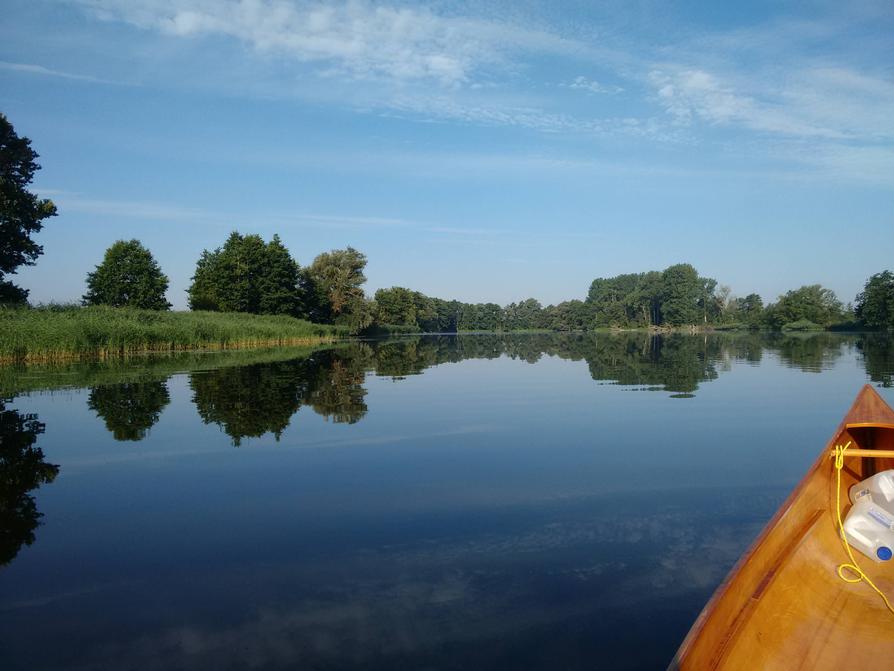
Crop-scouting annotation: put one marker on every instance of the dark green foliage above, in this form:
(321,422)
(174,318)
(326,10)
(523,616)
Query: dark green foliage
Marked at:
(625,300)
(750,310)
(677,296)
(569,316)
(358,315)
(396,306)
(22,469)
(129,409)
(525,315)
(248,275)
(875,304)
(479,317)
(12,295)
(21,212)
(802,325)
(447,315)
(128,277)
(812,303)
(406,311)
(279,287)
(682,296)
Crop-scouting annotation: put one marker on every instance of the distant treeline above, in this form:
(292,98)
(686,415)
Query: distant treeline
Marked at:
(675,297)
(249,275)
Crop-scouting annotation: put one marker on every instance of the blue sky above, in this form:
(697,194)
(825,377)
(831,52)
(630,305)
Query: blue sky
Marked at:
(482,151)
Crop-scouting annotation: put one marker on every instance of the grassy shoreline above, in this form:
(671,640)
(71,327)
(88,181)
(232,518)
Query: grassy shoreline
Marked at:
(49,334)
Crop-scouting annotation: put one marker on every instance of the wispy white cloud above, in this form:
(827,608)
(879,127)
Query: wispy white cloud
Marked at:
(32,69)
(830,122)
(488,113)
(698,95)
(358,39)
(156,211)
(581,83)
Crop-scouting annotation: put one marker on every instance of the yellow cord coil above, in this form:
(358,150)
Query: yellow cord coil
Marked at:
(853,567)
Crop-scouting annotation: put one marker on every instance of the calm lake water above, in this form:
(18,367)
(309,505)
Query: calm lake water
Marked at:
(486,502)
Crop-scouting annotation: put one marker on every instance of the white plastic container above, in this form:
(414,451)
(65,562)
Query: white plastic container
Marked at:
(879,488)
(870,529)
(869,525)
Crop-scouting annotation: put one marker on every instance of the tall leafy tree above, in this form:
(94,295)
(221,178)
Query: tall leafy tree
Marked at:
(526,314)
(710,304)
(337,277)
(875,304)
(682,296)
(21,212)
(127,277)
(396,306)
(280,293)
(812,303)
(750,309)
(248,275)
(203,293)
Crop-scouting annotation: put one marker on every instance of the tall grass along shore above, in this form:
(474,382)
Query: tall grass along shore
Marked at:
(57,333)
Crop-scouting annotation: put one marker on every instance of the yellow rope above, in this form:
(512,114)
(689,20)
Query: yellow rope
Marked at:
(853,567)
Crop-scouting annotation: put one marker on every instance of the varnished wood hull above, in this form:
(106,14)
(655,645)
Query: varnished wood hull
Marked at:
(783,605)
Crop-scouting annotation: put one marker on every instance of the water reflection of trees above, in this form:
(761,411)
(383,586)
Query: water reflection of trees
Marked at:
(811,353)
(676,363)
(129,410)
(878,357)
(250,401)
(262,397)
(336,391)
(22,470)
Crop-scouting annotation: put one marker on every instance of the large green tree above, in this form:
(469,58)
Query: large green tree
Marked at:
(21,212)
(683,295)
(526,314)
(127,277)
(811,303)
(280,290)
(337,279)
(396,306)
(248,275)
(750,309)
(875,304)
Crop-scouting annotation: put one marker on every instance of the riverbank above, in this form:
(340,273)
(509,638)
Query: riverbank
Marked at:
(46,334)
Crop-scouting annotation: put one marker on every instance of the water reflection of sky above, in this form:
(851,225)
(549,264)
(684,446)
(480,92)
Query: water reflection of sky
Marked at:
(487,513)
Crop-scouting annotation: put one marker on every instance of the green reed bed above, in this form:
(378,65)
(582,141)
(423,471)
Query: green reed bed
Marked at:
(58,333)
